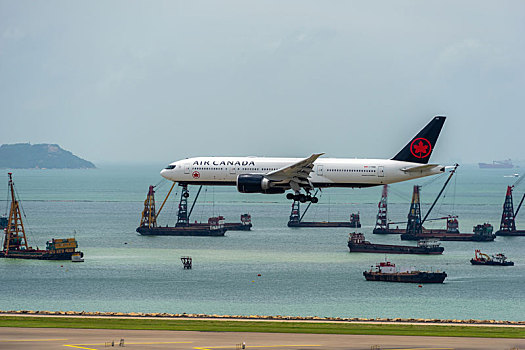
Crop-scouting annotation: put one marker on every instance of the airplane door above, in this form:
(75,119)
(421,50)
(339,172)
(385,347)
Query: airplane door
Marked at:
(232,169)
(380,171)
(186,168)
(320,170)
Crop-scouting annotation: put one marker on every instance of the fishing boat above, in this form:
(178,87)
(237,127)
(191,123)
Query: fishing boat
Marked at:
(15,242)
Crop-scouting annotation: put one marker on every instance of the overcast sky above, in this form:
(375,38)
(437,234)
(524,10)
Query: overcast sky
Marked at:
(156,81)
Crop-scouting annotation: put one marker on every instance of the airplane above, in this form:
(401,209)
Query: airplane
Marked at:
(277,175)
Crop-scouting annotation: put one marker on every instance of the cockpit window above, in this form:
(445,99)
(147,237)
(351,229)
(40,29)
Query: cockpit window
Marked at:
(169,167)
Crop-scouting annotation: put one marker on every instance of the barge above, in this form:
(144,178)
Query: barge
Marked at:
(244,225)
(358,244)
(296,219)
(215,227)
(15,243)
(482,233)
(387,272)
(148,223)
(494,260)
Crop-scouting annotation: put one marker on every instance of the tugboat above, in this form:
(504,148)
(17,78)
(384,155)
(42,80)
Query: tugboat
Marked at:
(357,243)
(483,259)
(387,272)
(15,243)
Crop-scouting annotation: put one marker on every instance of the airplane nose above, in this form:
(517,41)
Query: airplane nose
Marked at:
(164,173)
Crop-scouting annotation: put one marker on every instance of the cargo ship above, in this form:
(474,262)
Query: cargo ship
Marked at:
(494,260)
(15,243)
(387,272)
(482,233)
(358,244)
(497,164)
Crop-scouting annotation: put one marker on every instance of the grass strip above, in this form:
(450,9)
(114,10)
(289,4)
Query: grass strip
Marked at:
(263,327)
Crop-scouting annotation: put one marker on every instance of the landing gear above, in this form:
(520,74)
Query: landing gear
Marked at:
(303,198)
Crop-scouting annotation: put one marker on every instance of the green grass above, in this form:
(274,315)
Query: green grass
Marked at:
(267,327)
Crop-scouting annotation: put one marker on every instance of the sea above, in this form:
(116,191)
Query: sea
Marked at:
(270,270)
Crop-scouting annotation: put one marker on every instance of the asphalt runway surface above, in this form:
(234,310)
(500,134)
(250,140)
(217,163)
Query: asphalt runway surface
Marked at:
(98,339)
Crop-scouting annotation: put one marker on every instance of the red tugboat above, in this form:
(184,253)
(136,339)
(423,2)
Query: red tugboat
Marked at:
(358,244)
(387,272)
(15,243)
(496,260)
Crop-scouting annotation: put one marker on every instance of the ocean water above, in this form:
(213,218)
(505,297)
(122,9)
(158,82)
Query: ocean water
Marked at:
(304,272)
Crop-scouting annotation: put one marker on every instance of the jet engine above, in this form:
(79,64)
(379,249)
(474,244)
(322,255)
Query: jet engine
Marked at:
(255,183)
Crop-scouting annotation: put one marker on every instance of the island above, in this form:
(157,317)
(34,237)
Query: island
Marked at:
(40,156)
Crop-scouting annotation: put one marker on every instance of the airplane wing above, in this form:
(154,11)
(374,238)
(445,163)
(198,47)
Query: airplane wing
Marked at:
(297,174)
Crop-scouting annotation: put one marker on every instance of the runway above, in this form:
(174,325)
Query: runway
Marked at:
(99,339)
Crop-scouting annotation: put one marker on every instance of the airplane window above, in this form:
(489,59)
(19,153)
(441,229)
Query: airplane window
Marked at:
(169,167)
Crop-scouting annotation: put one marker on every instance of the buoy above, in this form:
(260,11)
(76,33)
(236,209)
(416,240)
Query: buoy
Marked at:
(253,281)
(420,286)
(61,265)
(259,275)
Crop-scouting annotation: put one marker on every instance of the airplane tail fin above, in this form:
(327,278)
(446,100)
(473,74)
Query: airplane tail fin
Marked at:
(419,149)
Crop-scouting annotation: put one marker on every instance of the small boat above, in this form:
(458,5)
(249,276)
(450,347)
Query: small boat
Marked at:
(77,257)
(387,272)
(494,260)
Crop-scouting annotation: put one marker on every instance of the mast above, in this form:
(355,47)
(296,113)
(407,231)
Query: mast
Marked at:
(295,215)
(15,235)
(381,218)
(182,217)
(149,219)
(414,225)
(507,217)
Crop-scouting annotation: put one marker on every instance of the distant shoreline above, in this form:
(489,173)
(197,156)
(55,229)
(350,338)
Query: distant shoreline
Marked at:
(277,318)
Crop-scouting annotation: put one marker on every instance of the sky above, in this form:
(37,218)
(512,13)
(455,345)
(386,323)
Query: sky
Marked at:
(157,81)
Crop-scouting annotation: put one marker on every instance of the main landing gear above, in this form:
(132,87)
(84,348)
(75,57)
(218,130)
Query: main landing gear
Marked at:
(303,198)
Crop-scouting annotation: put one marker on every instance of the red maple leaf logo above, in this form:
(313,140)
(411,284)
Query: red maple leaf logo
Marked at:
(420,148)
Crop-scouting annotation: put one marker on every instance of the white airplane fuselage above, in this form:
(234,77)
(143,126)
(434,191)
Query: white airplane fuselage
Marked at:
(326,172)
